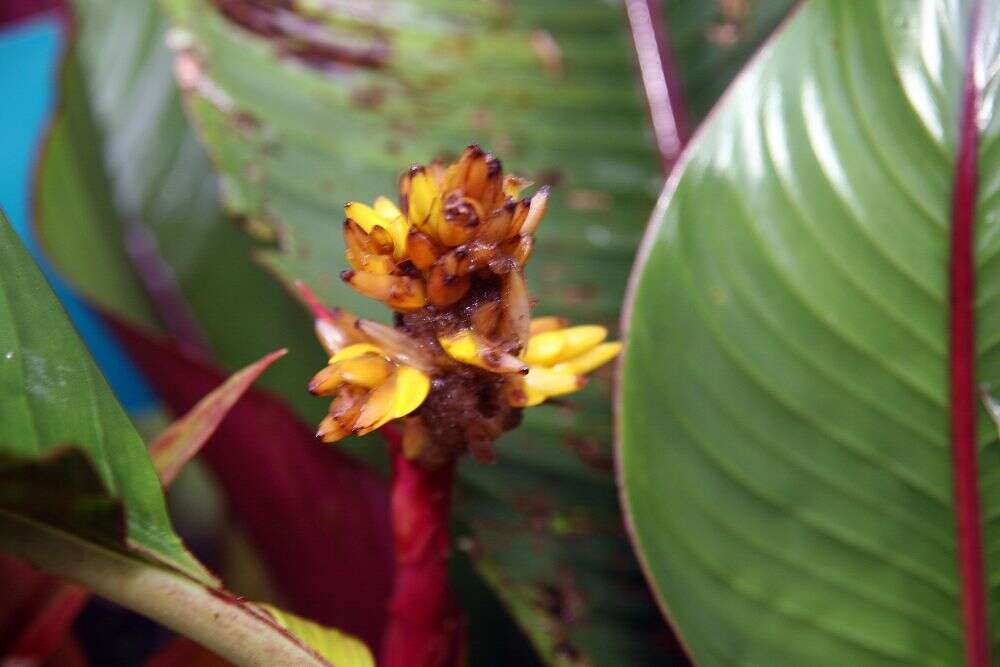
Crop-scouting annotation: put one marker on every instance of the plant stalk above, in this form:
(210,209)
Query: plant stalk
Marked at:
(424,626)
(215,619)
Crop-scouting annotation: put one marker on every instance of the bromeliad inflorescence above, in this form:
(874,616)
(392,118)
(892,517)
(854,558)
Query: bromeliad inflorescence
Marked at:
(464,356)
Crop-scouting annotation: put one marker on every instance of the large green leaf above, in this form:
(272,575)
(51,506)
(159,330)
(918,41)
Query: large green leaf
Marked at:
(52,396)
(785,400)
(73,202)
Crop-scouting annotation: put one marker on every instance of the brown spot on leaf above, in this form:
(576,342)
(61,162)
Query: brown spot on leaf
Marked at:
(369,97)
(588,200)
(304,38)
(734,10)
(547,49)
(550,177)
(730,28)
(591,452)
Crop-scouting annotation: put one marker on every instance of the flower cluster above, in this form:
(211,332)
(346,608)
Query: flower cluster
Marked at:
(459,221)
(464,355)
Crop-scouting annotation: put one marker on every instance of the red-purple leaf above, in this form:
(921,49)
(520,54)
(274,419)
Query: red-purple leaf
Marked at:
(319,520)
(36,614)
(185,437)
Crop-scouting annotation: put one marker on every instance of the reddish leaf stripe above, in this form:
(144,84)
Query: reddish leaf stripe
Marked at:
(963,374)
(659,79)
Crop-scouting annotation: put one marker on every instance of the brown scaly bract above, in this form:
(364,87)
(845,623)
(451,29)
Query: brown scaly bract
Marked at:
(464,356)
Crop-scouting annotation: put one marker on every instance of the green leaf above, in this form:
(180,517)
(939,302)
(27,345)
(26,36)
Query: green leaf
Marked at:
(51,396)
(336,647)
(78,223)
(784,405)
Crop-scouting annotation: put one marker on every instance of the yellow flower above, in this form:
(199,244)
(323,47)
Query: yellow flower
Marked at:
(554,362)
(452,222)
(370,390)
(375,374)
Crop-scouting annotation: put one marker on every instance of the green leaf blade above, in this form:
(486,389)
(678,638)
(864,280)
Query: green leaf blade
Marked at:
(337,648)
(52,394)
(784,433)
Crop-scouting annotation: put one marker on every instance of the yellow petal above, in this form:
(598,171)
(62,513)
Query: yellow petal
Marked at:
(353,351)
(397,292)
(436,172)
(553,347)
(385,208)
(368,370)
(399,229)
(590,359)
(551,382)
(377,264)
(492,195)
(412,388)
(520,395)
(378,404)
(407,390)
(358,240)
(424,202)
(325,382)
(461,347)
(365,216)
(330,430)
(347,404)
(470,349)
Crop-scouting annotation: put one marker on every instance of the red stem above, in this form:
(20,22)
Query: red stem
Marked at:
(659,78)
(963,376)
(424,625)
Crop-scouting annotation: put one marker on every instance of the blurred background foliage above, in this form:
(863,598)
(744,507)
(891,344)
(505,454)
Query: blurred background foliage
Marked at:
(186,208)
